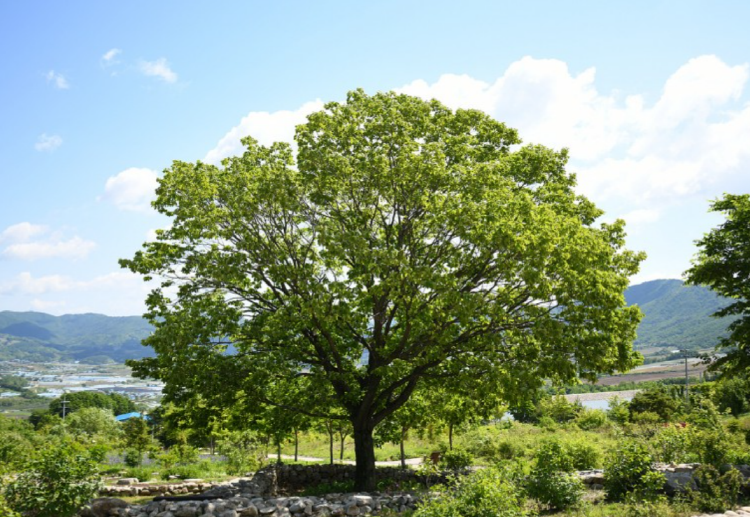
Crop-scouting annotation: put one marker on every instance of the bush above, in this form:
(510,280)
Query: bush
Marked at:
(716,493)
(456,459)
(559,409)
(552,481)
(142,474)
(618,411)
(57,483)
(589,419)
(654,400)
(626,469)
(132,458)
(491,492)
(584,455)
(242,452)
(673,444)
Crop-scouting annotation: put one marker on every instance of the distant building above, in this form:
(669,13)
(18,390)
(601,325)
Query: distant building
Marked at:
(128,416)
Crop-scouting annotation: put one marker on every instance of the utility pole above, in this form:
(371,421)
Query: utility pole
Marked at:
(687,382)
(64,405)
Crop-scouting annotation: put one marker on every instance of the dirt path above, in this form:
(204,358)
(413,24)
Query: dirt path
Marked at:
(396,463)
(602,395)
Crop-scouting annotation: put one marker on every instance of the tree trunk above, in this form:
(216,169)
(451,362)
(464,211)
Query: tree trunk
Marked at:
(364,449)
(450,436)
(296,444)
(330,441)
(403,456)
(341,447)
(278,452)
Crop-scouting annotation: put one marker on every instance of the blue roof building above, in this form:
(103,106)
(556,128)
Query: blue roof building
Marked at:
(128,416)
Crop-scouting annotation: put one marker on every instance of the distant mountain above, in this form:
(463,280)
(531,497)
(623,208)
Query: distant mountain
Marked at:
(93,338)
(677,315)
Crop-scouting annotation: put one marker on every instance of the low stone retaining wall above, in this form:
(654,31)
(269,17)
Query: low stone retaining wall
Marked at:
(259,495)
(331,505)
(146,489)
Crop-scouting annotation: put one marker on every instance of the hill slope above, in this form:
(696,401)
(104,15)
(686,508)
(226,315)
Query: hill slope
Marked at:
(36,336)
(677,315)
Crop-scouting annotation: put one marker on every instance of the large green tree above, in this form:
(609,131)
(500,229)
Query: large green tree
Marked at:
(406,242)
(723,264)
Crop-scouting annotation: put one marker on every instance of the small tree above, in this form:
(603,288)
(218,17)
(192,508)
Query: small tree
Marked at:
(723,264)
(137,438)
(56,483)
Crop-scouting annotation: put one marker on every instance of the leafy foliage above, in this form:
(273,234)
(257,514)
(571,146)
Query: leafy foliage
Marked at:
(628,469)
(552,481)
(654,400)
(716,492)
(58,482)
(491,492)
(723,264)
(407,243)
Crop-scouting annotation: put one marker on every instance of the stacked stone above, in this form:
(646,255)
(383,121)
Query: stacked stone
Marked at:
(331,505)
(142,489)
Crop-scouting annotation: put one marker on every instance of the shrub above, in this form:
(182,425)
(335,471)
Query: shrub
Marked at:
(618,411)
(673,444)
(491,492)
(57,483)
(132,458)
(552,481)
(584,455)
(716,493)
(559,409)
(456,459)
(589,419)
(5,510)
(242,452)
(625,470)
(713,447)
(654,400)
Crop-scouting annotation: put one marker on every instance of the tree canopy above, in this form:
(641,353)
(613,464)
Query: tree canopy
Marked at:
(406,242)
(723,264)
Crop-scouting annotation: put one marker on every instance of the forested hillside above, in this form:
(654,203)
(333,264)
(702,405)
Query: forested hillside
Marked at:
(677,315)
(94,338)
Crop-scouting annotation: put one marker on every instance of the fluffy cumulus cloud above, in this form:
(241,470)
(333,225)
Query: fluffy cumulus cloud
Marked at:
(131,190)
(117,293)
(57,80)
(22,232)
(688,141)
(159,69)
(48,143)
(692,137)
(27,241)
(265,127)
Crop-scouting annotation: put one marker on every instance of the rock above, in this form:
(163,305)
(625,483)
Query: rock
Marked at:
(250,511)
(187,511)
(352,509)
(103,506)
(127,481)
(362,500)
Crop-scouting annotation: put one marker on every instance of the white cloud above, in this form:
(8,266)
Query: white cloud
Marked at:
(132,189)
(265,127)
(47,142)
(57,80)
(25,283)
(689,141)
(159,68)
(110,55)
(116,293)
(22,232)
(74,248)
(26,241)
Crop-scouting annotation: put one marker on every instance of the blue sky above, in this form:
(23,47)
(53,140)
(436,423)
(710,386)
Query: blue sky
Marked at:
(652,98)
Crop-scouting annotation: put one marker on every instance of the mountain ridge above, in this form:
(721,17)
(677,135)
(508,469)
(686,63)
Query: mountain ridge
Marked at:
(675,316)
